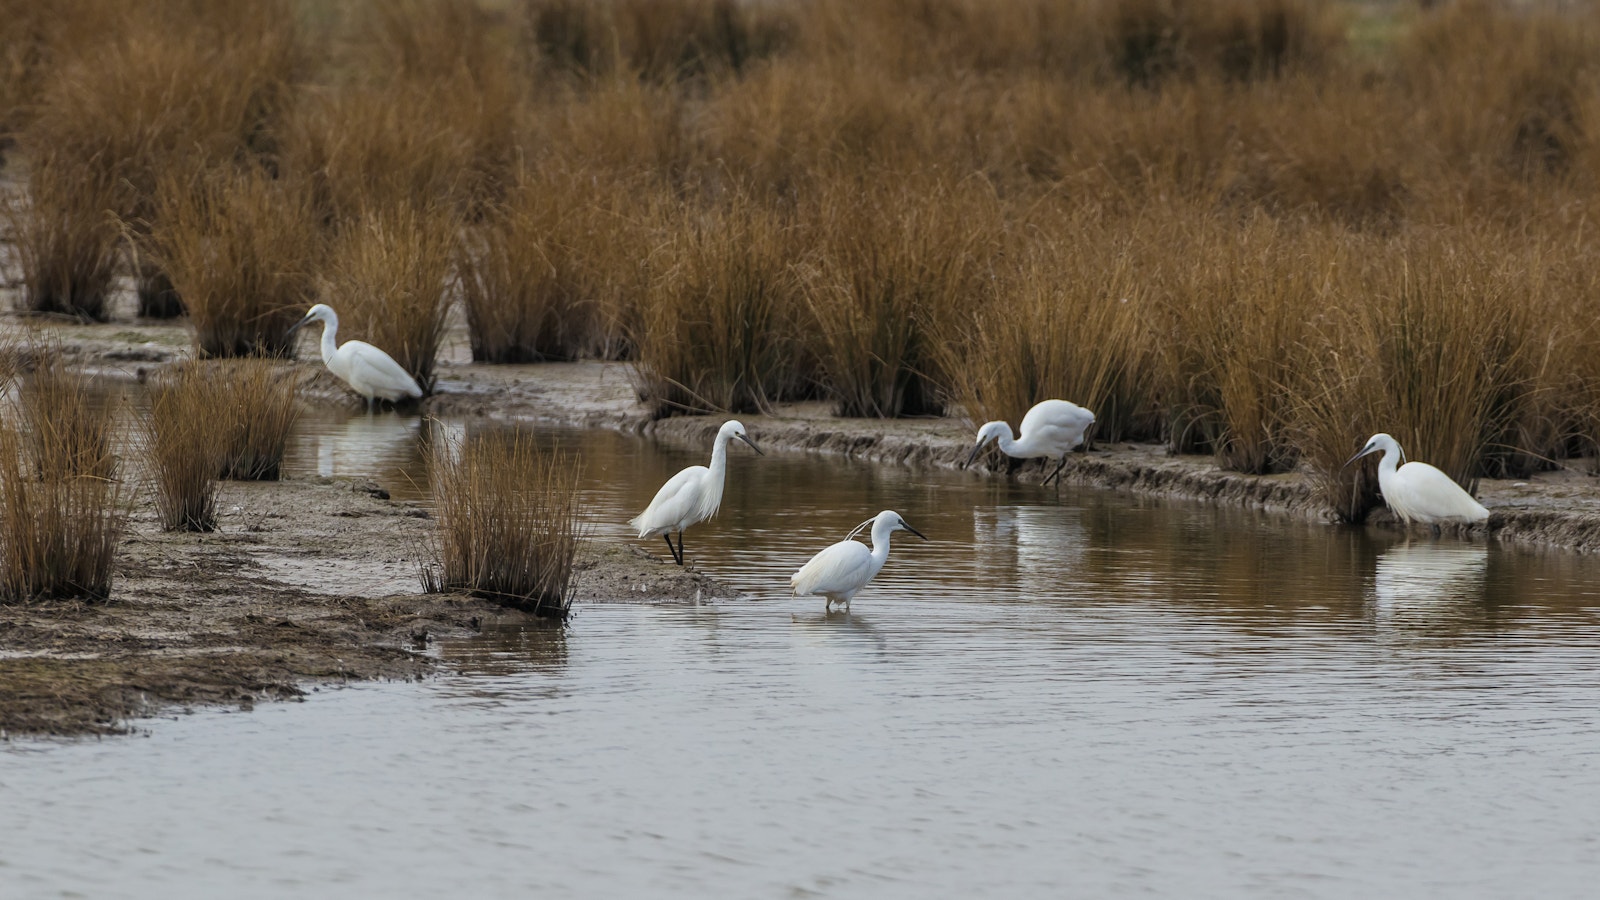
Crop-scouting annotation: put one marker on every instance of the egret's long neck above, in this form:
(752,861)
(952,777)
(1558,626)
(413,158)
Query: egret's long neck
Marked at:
(880,542)
(1389,462)
(330,328)
(1008,444)
(719,456)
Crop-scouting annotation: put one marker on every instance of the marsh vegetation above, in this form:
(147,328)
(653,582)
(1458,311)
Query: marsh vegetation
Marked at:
(1259,229)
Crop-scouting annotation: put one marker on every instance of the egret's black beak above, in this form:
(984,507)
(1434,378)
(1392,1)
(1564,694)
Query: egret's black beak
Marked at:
(751,443)
(1364,452)
(297,326)
(907,526)
(971,456)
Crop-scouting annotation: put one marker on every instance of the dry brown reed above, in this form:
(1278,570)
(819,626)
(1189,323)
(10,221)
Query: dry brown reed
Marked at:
(509,522)
(67,429)
(183,449)
(660,40)
(1071,319)
(62,506)
(540,277)
(389,274)
(58,538)
(66,236)
(259,409)
(242,248)
(895,261)
(718,331)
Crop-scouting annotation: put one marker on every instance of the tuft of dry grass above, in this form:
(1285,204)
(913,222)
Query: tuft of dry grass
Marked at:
(660,40)
(58,538)
(895,262)
(1070,320)
(717,331)
(62,506)
(67,430)
(539,276)
(66,236)
(391,271)
(509,522)
(183,449)
(260,410)
(241,248)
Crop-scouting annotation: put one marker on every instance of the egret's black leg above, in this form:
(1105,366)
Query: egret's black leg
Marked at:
(680,548)
(667,536)
(1055,474)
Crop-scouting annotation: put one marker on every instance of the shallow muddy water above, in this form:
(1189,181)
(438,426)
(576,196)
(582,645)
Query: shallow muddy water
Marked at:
(1073,694)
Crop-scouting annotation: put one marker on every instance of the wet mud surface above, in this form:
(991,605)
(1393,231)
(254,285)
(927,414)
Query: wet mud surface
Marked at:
(314,582)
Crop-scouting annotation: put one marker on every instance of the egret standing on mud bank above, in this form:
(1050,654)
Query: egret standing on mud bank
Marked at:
(369,371)
(1051,430)
(691,496)
(1416,491)
(842,569)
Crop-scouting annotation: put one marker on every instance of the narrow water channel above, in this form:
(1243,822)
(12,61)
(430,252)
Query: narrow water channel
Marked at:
(1059,694)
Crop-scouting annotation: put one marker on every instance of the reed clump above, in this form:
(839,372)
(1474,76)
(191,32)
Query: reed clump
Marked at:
(62,506)
(510,521)
(184,452)
(391,271)
(67,430)
(66,237)
(243,249)
(894,262)
(539,277)
(718,331)
(260,410)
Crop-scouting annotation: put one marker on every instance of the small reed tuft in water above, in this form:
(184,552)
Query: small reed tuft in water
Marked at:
(182,447)
(261,408)
(509,522)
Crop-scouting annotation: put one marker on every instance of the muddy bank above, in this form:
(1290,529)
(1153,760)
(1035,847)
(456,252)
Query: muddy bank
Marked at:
(307,583)
(1558,509)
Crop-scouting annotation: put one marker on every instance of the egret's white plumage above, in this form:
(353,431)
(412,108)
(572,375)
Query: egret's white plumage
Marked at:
(841,570)
(1416,491)
(1050,430)
(693,495)
(369,371)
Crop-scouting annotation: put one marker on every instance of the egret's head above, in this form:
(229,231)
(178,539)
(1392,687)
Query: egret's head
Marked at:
(733,428)
(322,312)
(1377,444)
(897,523)
(989,432)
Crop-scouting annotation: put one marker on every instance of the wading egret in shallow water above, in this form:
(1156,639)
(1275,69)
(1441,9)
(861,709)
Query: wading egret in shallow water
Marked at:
(692,495)
(1416,491)
(841,570)
(369,371)
(1051,429)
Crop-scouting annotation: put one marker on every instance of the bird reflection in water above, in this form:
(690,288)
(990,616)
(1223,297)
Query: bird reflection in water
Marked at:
(1029,546)
(1429,578)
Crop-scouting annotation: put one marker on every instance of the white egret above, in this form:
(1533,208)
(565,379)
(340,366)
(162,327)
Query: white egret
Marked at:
(842,569)
(1050,430)
(692,495)
(1416,491)
(369,371)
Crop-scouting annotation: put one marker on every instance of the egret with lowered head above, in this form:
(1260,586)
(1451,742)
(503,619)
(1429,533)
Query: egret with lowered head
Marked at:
(1050,430)
(691,496)
(1416,491)
(842,569)
(369,371)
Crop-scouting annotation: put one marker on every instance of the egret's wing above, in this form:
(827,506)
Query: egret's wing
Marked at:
(1427,493)
(377,371)
(672,503)
(1056,423)
(845,566)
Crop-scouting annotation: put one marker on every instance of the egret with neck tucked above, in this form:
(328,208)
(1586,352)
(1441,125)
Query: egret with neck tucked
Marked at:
(1050,430)
(369,371)
(1416,491)
(691,496)
(843,569)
